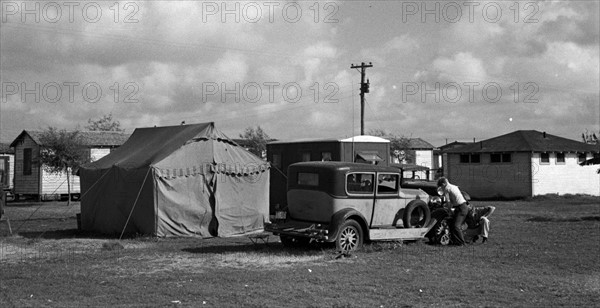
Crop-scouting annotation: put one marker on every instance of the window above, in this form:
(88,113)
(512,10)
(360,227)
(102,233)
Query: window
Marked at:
(371,157)
(387,183)
(470,158)
(495,158)
(501,158)
(544,158)
(581,157)
(359,183)
(306,156)
(325,156)
(27,161)
(309,179)
(277,161)
(560,158)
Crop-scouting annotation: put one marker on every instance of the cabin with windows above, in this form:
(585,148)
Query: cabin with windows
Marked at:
(31,178)
(281,154)
(523,163)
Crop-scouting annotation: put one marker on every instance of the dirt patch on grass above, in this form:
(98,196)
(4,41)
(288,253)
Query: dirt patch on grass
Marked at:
(129,265)
(20,249)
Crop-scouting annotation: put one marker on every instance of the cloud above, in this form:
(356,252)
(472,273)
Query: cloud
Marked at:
(172,50)
(232,66)
(463,66)
(575,58)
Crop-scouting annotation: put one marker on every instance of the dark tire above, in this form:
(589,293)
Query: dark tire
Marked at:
(349,236)
(294,241)
(445,238)
(416,215)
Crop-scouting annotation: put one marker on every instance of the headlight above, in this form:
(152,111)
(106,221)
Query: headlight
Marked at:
(435,200)
(440,191)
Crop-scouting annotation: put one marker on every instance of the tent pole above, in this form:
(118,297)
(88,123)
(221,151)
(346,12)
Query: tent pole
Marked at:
(134,203)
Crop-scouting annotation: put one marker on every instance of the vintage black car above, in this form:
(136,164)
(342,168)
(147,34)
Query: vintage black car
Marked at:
(348,203)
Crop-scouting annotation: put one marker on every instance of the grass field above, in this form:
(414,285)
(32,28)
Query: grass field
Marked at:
(542,252)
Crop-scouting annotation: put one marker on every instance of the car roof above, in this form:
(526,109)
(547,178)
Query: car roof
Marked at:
(344,166)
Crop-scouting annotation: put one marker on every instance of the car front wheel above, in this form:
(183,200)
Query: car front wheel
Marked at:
(349,237)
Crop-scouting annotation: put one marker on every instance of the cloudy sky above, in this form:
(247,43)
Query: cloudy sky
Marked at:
(441,70)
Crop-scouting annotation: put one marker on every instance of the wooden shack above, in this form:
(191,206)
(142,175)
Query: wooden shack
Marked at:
(32,180)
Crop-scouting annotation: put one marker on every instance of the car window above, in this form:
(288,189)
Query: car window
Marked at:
(309,179)
(359,183)
(387,183)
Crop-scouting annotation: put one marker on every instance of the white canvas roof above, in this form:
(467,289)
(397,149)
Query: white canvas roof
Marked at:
(365,138)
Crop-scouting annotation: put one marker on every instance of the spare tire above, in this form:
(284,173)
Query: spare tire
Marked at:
(416,215)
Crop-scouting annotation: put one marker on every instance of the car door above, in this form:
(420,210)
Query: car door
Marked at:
(360,188)
(387,205)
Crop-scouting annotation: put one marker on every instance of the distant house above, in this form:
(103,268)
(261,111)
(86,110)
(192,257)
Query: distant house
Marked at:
(31,179)
(7,167)
(418,156)
(420,153)
(523,163)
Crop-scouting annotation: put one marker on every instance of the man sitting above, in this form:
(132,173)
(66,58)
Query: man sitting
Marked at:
(478,220)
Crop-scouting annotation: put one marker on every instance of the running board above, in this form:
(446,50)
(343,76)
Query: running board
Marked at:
(400,233)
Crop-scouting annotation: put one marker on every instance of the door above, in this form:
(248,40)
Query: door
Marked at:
(388,204)
(4,172)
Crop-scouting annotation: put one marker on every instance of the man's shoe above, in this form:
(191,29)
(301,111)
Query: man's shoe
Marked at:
(475,238)
(484,240)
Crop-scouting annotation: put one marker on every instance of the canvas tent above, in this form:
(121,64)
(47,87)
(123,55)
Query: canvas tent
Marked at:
(188,180)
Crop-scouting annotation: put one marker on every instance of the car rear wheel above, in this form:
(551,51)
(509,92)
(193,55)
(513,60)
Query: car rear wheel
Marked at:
(349,237)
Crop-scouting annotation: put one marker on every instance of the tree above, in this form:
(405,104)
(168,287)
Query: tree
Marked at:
(105,123)
(62,151)
(256,140)
(399,145)
(590,137)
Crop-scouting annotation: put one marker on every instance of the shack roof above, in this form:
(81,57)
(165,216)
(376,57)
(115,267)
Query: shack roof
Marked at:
(525,141)
(90,138)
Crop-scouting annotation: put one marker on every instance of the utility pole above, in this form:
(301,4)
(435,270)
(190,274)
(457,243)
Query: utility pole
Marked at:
(364,88)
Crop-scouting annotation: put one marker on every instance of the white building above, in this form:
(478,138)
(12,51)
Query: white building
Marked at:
(522,164)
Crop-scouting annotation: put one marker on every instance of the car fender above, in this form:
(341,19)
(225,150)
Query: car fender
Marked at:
(341,216)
